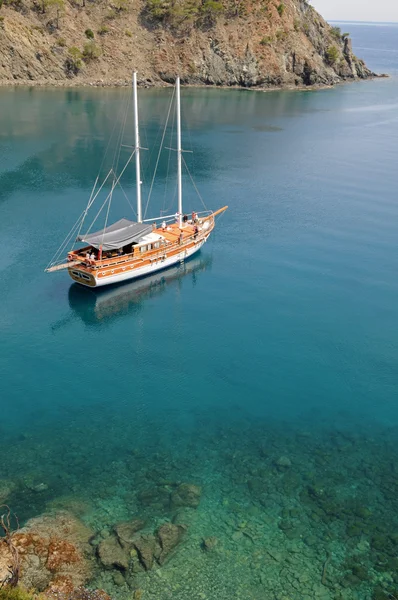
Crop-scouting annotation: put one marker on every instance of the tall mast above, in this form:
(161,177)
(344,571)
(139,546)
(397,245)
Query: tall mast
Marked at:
(137,150)
(179,151)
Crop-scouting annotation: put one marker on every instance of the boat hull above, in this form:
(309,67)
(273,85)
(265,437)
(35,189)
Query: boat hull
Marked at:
(95,280)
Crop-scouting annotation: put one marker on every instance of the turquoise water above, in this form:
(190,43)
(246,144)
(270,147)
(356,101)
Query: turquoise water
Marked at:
(278,340)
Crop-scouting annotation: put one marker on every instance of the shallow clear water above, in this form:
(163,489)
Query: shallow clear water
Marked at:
(285,322)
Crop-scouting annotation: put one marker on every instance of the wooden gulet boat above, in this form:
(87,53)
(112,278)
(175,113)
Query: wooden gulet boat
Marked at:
(128,249)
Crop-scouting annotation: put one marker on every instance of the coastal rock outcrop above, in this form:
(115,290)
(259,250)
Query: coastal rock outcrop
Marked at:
(248,44)
(54,553)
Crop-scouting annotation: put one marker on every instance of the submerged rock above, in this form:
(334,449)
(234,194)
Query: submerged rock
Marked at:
(186,494)
(146,547)
(209,544)
(169,536)
(6,489)
(111,553)
(126,531)
(283,463)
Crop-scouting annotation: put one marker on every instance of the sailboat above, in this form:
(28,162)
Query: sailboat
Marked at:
(126,249)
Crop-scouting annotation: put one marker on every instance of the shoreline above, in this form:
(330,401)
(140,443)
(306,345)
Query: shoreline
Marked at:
(163,84)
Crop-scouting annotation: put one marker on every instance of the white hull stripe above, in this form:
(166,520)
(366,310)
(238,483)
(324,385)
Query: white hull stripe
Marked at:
(147,269)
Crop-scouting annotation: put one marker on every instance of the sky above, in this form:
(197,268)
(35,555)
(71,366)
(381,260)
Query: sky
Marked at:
(357,10)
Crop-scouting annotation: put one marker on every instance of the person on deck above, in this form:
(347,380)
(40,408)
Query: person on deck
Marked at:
(164,225)
(185,218)
(92,256)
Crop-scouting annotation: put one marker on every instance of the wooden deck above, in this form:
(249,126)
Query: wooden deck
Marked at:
(173,231)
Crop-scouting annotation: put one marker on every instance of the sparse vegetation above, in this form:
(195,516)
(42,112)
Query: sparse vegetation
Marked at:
(336,32)
(61,42)
(91,51)
(103,30)
(128,33)
(266,40)
(281,9)
(89,33)
(332,55)
(120,5)
(16,593)
(280,35)
(73,62)
(189,12)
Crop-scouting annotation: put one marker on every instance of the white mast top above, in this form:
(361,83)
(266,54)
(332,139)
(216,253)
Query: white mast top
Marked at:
(179,151)
(137,150)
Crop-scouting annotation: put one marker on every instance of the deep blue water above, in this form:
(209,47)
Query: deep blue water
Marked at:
(289,314)
(297,311)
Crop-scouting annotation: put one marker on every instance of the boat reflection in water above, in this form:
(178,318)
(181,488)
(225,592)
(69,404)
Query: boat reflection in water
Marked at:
(95,306)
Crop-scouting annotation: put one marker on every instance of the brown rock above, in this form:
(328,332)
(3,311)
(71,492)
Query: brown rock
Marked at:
(170,536)
(111,554)
(5,561)
(6,489)
(126,531)
(54,547)
(61,590)
(210,543)
(186,494)
(147,547)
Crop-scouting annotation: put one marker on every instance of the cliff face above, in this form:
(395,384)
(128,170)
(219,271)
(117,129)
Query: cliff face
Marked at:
(263,43)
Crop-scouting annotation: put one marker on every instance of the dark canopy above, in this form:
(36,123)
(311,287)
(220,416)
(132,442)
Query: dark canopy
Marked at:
(115,236)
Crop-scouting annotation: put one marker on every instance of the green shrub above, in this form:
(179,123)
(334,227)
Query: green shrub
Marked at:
(210,10)
(332,54)
(266,40)
(103,30)
(336,32)
(128,33)
(16,593)
(73,62)
(89,33)
(91,51)
(281,9)
(120,5)
(280,35)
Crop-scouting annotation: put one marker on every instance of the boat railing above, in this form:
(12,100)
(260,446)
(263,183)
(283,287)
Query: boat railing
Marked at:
(156,254)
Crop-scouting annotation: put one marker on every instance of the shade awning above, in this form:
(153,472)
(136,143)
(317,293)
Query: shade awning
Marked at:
(115,236)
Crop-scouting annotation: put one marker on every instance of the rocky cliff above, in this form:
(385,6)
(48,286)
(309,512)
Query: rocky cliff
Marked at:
(250,43)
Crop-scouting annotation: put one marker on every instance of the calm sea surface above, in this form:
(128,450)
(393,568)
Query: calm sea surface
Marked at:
(287,319)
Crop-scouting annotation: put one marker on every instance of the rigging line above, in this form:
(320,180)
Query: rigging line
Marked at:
(122,130)
(123,110)
(65,241)
(166,185)
(96,195)
(159,153)
(125,195)
(188,130)
(193,183)
(115,182)
(107,214)
(88,206)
